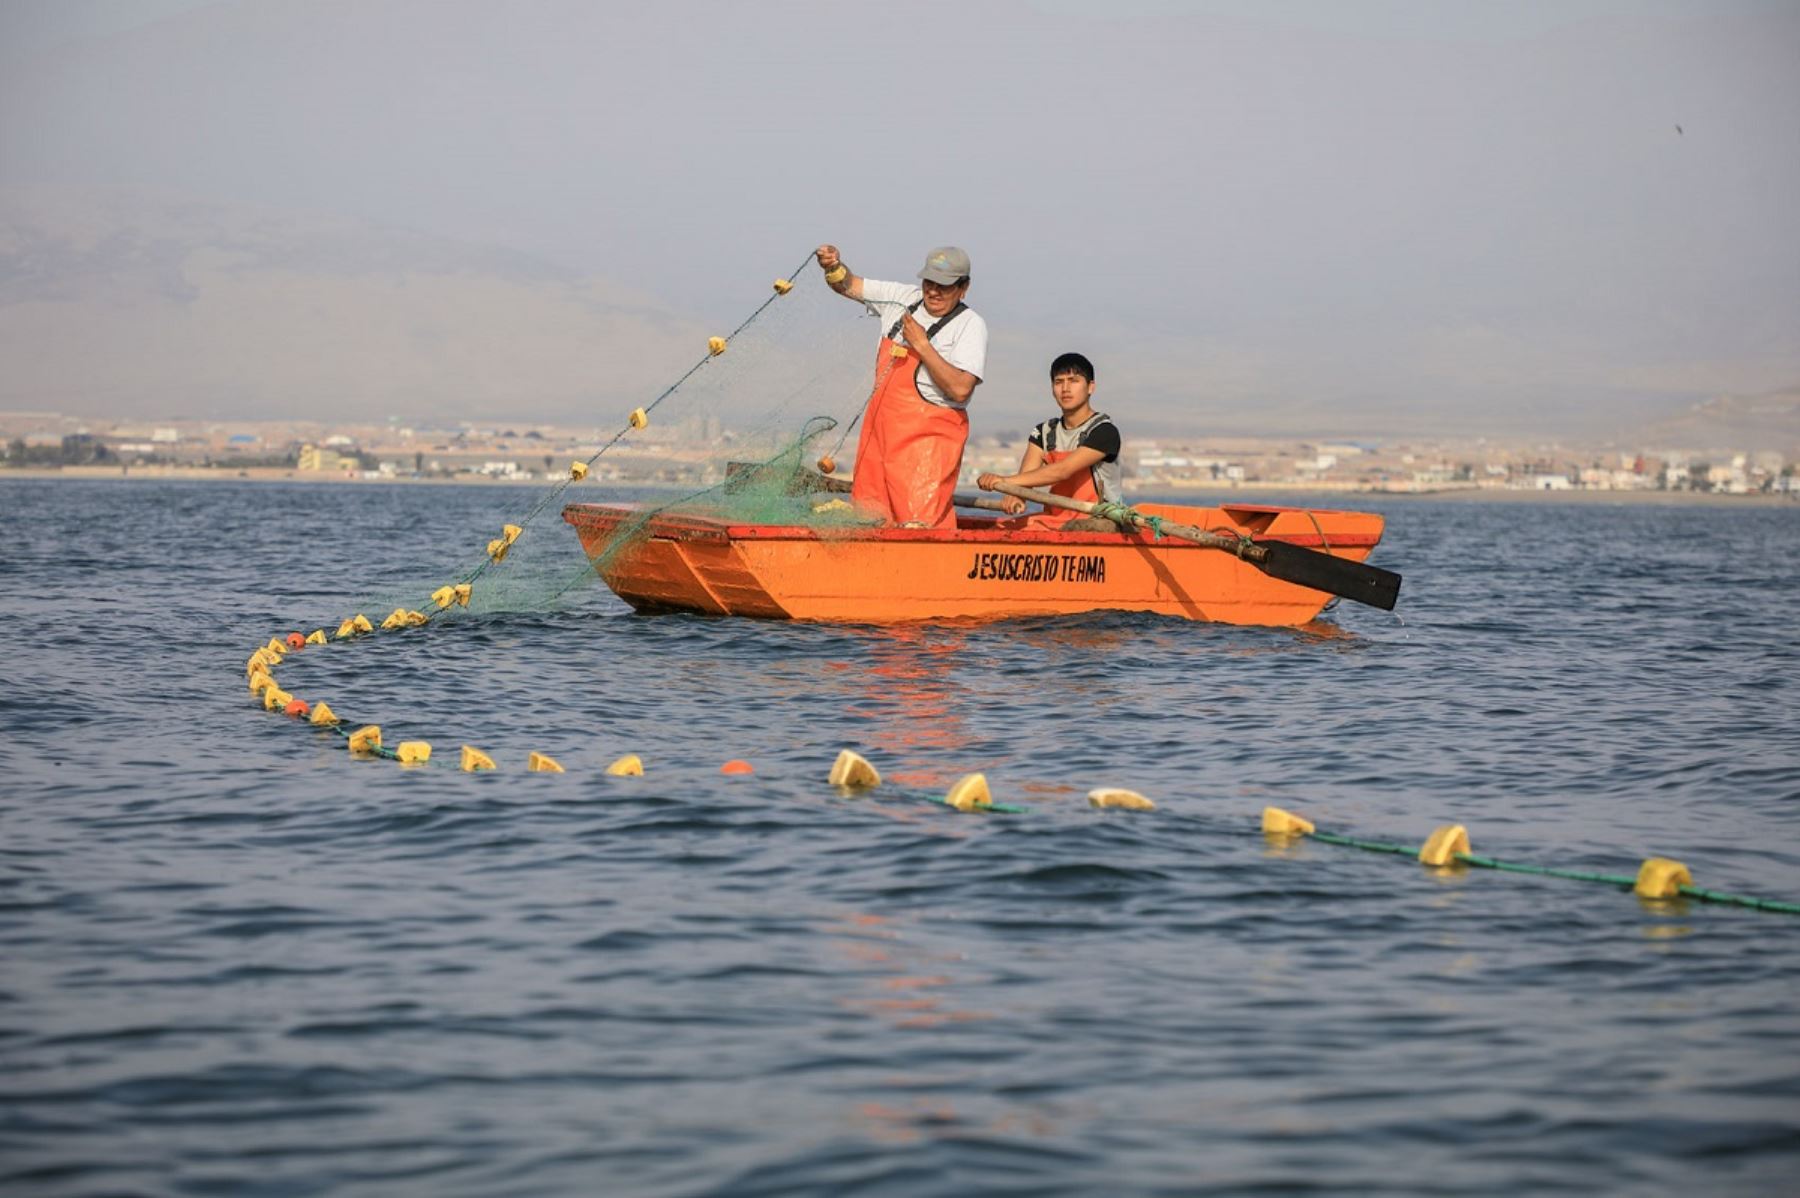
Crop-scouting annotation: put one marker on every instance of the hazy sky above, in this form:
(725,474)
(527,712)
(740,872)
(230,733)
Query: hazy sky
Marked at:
(1410,207)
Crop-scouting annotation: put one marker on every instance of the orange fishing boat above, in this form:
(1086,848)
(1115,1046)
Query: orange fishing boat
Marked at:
(982,569)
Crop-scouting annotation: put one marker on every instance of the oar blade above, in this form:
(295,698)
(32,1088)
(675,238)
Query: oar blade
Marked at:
(1339,576)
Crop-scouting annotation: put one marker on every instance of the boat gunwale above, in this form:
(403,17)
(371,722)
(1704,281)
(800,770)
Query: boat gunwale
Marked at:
(709,528)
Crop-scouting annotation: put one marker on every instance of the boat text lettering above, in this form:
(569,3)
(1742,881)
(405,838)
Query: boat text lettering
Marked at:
(1038,567)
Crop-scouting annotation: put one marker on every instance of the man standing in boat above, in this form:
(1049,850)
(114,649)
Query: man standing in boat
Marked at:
(916,423)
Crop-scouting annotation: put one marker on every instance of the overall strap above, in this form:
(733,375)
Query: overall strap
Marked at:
(933,331)
(894,333)
(949,316)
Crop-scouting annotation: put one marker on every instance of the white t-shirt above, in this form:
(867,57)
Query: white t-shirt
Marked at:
(962,342)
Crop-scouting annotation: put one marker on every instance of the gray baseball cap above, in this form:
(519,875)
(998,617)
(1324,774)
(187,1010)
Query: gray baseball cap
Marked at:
(945,265)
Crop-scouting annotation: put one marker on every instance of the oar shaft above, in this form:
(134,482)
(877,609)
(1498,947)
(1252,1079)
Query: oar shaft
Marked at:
(1356,581)
(1186,532)
(841,486)
(969,499)
(1278,559)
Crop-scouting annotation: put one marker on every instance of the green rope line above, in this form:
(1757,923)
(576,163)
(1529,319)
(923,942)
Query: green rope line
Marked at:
(1740,900)
(1621,881)
(342,729)
(1373,846)
(1118,513)
(1574,875)
(989,808)
(1126,516)
(1629,883)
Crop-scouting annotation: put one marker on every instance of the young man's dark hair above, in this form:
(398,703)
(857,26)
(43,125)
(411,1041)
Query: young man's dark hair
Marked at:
(1072,364)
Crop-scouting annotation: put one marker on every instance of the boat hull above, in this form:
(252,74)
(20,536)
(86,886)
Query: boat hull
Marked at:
(982,569)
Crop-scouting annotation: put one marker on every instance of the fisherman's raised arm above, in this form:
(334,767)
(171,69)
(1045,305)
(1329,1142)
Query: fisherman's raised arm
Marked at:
(837,275)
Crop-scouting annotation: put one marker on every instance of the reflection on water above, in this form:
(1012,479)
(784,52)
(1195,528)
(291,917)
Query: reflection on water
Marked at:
(916,708)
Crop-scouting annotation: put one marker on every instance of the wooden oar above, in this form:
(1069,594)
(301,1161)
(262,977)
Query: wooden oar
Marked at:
(812,480)
(1278,559)
(841,486)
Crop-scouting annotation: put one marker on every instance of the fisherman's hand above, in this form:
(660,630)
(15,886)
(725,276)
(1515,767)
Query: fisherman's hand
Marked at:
(914,332)
(828,257)
(1012,504)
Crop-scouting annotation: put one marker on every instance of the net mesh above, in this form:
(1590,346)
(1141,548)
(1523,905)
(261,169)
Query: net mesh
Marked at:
(738,437)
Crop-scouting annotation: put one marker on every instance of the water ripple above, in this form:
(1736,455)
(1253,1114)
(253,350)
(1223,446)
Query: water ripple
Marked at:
(239,962)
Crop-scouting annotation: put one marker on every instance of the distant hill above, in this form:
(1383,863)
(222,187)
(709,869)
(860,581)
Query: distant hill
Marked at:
(118,303)
(1258,225)
(135,305)
(1770,421)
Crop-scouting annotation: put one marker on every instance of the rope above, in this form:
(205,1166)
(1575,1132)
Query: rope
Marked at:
(1390,848)
(1127,516)
(1372,846)
(1621,881)
(1242,541)
(1573,875)
(993,808)
(1740,900)
(1325,542)
(342,728)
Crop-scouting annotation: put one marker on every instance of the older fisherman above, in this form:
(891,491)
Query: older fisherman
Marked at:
(932,357)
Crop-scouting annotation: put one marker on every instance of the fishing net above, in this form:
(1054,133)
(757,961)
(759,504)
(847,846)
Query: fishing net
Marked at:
(739,436)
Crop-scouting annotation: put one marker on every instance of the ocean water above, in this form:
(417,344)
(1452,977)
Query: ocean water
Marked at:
(236,961)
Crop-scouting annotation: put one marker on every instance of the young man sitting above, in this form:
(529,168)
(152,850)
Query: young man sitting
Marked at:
(1075,455)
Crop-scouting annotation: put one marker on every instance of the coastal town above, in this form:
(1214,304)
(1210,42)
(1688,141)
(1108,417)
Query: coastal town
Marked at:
(695,452)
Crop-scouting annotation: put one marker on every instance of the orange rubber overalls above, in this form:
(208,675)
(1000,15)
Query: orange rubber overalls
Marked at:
(1079,485)
(909,452)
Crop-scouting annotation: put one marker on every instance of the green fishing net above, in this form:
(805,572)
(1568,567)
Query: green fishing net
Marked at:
(738,437)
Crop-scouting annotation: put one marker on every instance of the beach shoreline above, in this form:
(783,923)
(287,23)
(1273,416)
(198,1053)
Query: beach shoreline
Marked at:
(1208,496)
